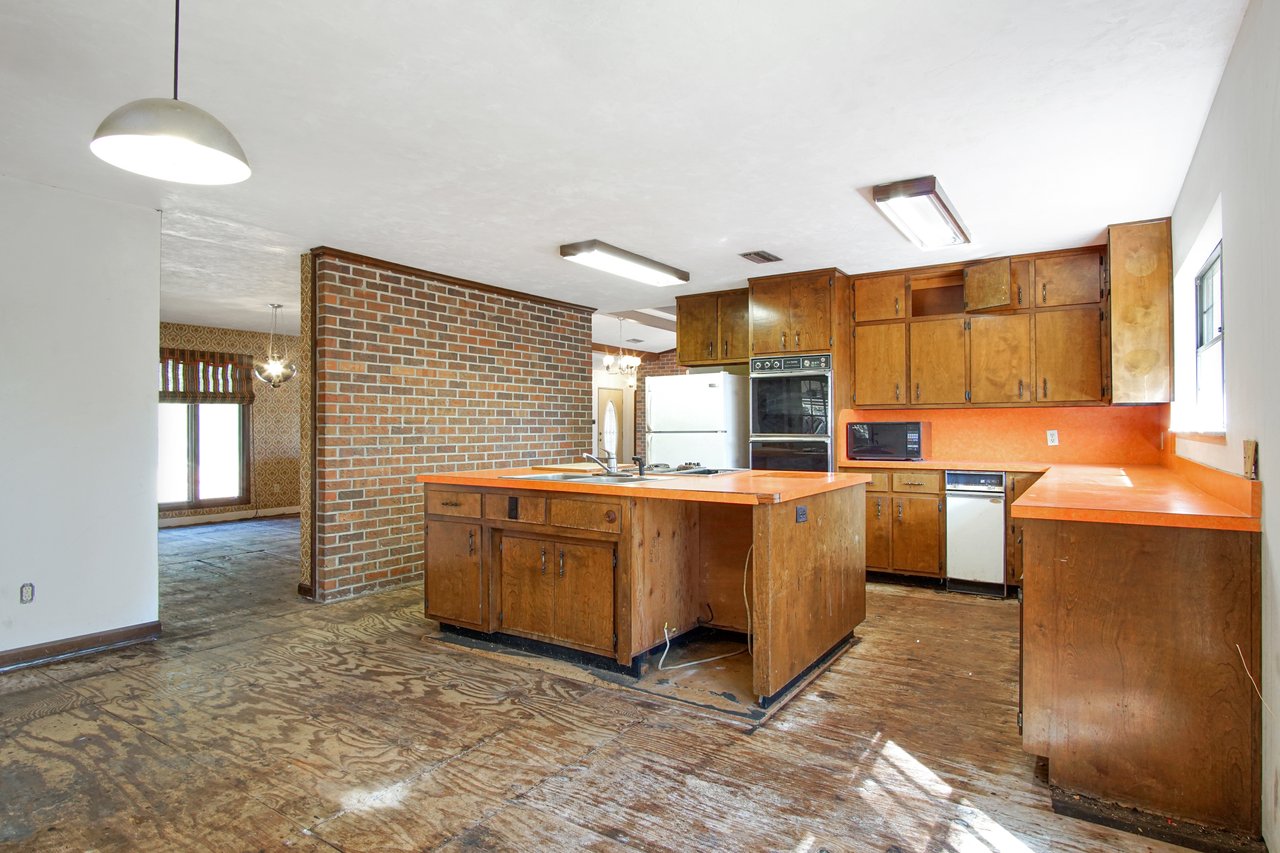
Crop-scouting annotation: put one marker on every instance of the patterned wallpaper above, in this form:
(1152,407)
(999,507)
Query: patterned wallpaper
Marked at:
(276,435)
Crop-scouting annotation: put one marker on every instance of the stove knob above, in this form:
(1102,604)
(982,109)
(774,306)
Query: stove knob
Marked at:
(776,364)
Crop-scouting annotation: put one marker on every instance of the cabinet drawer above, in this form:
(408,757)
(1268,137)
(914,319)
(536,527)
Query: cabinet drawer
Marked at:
(466,504)
(879,481)
(530,508)
(585,515)
(917,481)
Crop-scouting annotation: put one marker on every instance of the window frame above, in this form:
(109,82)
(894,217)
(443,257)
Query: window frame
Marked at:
(1210,280)
(1215,260)
(193,463)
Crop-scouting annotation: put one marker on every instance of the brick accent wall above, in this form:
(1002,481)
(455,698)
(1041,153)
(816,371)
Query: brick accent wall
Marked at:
(662,364)
(415,376)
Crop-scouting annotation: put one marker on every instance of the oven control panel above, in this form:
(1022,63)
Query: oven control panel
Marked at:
(791,362)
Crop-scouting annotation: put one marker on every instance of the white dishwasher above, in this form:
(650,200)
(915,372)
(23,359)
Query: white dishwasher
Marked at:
(975,532)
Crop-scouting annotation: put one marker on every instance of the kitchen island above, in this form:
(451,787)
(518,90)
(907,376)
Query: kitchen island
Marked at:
(613,568)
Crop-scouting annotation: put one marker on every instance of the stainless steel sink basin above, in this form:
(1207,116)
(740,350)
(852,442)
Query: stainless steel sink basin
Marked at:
(565,476)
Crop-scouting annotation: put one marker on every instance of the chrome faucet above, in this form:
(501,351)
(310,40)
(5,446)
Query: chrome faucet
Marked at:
(610,466)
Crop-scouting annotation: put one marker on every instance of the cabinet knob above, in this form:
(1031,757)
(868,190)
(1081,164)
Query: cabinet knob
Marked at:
(609,516)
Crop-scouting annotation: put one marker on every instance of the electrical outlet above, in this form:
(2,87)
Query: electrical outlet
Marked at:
(1052,436)
(26,593)
(802,514)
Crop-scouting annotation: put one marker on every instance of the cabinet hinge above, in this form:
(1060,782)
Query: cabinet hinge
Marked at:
(831,341)
(615,559)
(499,617)
(615,642)
(939,506)
(1019,721)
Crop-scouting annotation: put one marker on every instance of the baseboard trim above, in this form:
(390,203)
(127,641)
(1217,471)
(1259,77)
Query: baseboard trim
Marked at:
(42,653)
(306,590)
(188,520)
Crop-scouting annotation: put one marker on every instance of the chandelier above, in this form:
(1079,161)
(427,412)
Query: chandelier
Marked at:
(277,369)
(621,364)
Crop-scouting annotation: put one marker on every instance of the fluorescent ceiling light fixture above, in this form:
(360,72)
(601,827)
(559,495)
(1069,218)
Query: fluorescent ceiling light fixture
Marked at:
(170,139)
(611,259)
(922,212)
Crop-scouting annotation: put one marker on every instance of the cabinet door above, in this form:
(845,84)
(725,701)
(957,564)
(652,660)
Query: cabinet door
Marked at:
(696,329)
(937,361)
(1000,359)
(811,313)
(454,577)
(770,316)
(989,285)
(881,363)
(1068,279)
(527,578)
(1069,356)
(1141,312)
(734,326)
(882,297)
(917,535)
(1015,486)
(879,531)
(583,609)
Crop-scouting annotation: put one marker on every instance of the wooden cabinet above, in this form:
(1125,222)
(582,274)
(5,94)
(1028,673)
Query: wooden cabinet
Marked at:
(557,590)
(880,353)
(1015,486)
(938,361)
(989,286)
(882,297)
(791,314)
(1000,358)
(904,526)
(712,328)
(1141,292)
(1069,279)
(455,582)
(1069,355)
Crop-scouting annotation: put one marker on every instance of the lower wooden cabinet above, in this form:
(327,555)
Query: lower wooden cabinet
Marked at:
(904,526)
(1015,486)
(557,590)
(455,580)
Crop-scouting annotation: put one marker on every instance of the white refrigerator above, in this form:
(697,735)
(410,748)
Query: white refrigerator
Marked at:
(698,417)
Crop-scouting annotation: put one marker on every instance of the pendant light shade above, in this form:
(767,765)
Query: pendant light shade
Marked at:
(169,139)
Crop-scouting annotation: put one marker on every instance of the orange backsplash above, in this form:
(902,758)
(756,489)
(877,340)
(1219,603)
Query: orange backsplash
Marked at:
(1087,435)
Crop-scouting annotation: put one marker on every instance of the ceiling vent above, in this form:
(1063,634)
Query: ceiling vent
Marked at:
(760,257)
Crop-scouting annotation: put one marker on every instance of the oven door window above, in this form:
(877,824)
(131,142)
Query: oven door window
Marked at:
(790,405)
(791,456)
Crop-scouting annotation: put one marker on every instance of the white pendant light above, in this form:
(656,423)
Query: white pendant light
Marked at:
(170,139)
(277,369)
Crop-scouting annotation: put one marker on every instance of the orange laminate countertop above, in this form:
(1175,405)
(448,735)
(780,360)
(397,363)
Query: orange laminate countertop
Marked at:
(746,487)
(1149,495)
(945,465)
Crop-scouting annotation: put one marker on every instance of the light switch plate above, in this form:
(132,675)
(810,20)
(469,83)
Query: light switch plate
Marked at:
(1052,436)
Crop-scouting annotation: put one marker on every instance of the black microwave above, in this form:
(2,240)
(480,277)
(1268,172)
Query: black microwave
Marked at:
(889,440)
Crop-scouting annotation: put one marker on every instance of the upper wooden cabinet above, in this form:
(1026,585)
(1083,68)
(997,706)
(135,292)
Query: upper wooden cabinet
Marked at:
(1069,279)
(881,297)
(989,286)
(1000,359)
(881,359)
(938,361)
(1069,355)
(792,313)
(1141,284)
(711,328)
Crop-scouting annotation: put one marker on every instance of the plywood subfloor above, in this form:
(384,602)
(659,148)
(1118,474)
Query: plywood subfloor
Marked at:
(285,725)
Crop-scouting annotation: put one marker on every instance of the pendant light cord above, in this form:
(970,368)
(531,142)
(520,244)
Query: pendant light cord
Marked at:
(176,4)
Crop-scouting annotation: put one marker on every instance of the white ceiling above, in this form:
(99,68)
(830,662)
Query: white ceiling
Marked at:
(474,138)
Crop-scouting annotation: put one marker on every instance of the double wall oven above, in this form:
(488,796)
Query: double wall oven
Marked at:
(791,413)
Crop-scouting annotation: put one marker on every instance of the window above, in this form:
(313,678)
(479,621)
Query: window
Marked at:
(204,429)
(1209,336)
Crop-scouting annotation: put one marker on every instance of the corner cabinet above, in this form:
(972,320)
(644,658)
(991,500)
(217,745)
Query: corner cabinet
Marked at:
(712,328)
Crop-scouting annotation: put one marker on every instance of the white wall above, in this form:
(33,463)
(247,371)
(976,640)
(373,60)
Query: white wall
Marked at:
(1239,157)
(79,332)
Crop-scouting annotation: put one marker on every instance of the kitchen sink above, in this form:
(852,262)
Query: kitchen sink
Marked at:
(618,479)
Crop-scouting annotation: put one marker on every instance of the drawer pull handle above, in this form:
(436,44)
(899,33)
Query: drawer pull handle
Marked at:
(471,542)
(1019,294)
(911,483)
(562,564)
(1044,292)
(609,516)
(450,503)
(877,507)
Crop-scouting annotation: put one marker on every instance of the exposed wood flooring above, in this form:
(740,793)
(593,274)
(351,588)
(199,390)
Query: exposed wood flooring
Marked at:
(261,722)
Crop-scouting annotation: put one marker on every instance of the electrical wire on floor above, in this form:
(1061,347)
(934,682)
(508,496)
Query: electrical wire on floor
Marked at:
(666,629)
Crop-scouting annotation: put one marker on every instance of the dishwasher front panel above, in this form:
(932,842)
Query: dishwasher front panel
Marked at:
(975,537)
